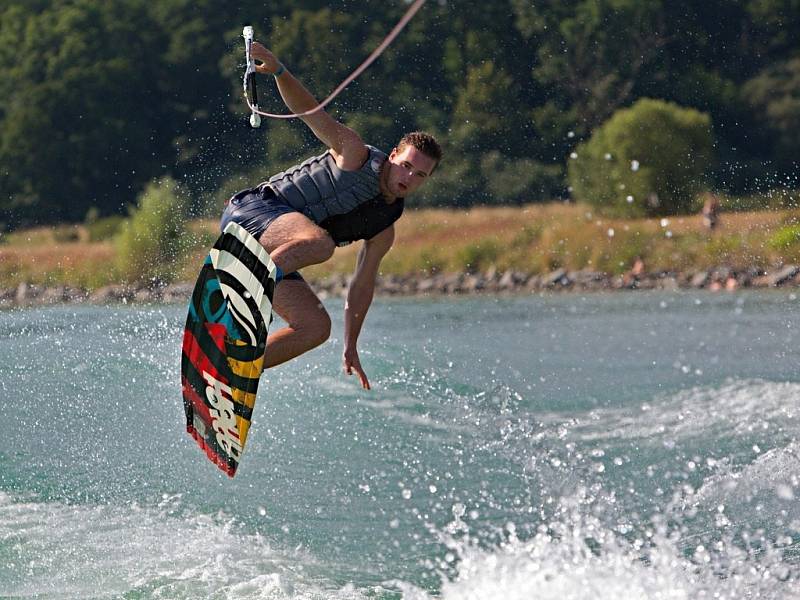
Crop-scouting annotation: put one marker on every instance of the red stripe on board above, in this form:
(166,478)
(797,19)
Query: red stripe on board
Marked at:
(195,354)
(217,331)
(193,351)
(221,460)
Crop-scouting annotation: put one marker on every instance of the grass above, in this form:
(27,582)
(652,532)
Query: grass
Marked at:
(533,238)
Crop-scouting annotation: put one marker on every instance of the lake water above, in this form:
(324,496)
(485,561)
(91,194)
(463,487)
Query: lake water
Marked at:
(635,445)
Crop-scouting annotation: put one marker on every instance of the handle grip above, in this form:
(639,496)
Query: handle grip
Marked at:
(250,89)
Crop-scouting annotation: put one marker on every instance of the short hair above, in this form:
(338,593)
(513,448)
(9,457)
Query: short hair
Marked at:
(424,142)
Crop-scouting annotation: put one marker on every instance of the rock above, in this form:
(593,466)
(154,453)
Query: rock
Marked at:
(507,281)
(669,283)
(390,284)
(589,280)
(146,295)
(336,285)
(7,297)
(473,283)
(177,292)
(340,283)
(53,295)
(648,283)
(760,281)
(554,278)
(25,293)
(451,284)
(782,276)
(699,280)
(76,295)
(534,283)
(111,293)
(721,274)
(426,286)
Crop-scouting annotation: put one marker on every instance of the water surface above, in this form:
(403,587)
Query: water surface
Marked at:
(637,445)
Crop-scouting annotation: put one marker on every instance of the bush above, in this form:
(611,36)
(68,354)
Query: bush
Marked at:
(646,160)
(785,238)
(104,228)
(150,241)
(478,256)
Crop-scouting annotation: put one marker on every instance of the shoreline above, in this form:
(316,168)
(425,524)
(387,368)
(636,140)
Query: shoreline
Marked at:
(491,282)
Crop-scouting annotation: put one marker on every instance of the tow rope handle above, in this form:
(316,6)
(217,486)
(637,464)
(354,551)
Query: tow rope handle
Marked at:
(250,91)
(249,76)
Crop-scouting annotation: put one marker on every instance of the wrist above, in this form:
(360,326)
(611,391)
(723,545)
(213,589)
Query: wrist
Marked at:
(281,70)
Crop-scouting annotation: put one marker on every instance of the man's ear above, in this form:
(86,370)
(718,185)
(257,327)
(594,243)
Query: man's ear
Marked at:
(393,153)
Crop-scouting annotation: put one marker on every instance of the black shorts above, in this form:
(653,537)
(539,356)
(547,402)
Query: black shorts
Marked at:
(255,210)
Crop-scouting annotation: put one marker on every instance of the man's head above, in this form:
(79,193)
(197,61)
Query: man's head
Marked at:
(412,161)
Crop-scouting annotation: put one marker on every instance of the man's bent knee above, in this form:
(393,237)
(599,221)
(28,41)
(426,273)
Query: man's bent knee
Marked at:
(321,245)
(319,329)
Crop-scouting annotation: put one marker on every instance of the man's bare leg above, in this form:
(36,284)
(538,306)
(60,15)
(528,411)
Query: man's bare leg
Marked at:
(308,323)
(294,241)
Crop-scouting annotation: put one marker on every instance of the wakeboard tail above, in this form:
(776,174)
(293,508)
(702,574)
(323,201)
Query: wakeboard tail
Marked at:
(224,343)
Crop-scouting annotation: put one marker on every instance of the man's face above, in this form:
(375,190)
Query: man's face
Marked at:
(409,169)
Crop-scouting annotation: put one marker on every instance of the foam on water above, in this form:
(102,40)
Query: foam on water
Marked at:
(761,495)
(62,551)
(53,550)
(577,556)
(547,568)
(737,407)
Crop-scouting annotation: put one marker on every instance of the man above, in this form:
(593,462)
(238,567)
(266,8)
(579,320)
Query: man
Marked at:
(351,192)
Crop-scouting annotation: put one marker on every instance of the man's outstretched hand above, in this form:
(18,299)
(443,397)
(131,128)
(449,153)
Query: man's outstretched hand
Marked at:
(352,363)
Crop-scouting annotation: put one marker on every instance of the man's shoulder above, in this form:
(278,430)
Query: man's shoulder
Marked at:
(360,158)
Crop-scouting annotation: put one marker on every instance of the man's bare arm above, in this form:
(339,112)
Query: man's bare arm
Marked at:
(346,145)
(359,298)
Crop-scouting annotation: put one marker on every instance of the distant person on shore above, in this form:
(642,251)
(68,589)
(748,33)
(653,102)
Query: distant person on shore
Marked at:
(351,192)
(633,276)
(711,211)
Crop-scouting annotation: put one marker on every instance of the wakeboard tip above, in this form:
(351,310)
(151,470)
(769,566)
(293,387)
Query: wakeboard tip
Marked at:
(215,458)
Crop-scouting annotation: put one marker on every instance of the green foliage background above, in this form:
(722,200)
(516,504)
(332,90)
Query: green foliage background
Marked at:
(99,97)
(646,160)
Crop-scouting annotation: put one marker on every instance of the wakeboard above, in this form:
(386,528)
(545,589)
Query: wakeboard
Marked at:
(224,342)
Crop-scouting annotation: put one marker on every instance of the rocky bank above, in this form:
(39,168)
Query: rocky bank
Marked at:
(490,282)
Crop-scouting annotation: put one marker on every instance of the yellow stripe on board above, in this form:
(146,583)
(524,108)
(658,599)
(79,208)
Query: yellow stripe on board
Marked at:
(243,425)
(243,398)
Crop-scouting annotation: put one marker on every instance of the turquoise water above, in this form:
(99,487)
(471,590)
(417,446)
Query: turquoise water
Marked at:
(603,446)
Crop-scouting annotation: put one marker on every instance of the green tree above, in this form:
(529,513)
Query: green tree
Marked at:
(590,54)
(78,114)
(649,159)
(775,95)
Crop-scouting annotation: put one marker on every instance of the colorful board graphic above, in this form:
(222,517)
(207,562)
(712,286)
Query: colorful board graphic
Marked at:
(224,342)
